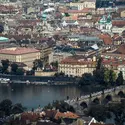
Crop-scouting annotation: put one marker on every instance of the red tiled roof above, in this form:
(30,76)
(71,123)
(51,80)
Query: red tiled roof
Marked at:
(118,23)
(30,116)
(85,10)
(66,115)
(113,62)
(74,61)
(106,38)
(4,8)
(117,37)
(18,50)
(121,49)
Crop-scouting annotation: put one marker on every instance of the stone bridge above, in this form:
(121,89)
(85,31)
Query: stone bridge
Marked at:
(113,94)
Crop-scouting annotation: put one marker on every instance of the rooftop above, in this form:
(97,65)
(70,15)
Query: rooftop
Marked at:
(18,50)
(4,39)
(77,60)
(66,115)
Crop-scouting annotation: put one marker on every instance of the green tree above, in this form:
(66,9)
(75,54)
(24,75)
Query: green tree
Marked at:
(20,71)
(37,64)
(98,73)
(61,105)
(55,64)
(14,67)
(112,110)
(5,106)
(1,28)
(99,63)
(87,78)
(120,80)
(112,77)
(99,112)
(106,76)
(5,65)
(17,108)
(118,111)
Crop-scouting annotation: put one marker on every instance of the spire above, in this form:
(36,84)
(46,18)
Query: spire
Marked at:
(109,18)
(103,20)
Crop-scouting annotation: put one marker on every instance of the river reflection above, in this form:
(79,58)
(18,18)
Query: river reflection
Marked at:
(32,96)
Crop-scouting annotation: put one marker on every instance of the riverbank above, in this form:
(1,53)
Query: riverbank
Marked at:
(39,80)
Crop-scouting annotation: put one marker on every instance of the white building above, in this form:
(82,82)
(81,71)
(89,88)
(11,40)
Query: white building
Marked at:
(105,24)
(76,67)
(84,4)
(118,30)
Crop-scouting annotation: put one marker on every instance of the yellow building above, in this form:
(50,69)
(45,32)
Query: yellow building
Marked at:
(77,67)
(41,73)
(85,4)
(123,14)
(20,54)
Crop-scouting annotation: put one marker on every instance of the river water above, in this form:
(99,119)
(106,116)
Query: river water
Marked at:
(31,96)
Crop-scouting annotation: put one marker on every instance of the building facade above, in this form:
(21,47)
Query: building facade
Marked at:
(76,67)
(20,54)
(85,4)
(123,14)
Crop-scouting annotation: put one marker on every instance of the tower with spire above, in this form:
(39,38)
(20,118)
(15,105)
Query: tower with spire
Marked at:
(105,23)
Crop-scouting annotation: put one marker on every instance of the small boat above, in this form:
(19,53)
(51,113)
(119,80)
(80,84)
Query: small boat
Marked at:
(4,81)
(27,82)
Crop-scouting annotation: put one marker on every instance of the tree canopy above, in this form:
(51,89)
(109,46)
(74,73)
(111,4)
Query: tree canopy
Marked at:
(7,108)
(120,80)
(112,110)
(14,67)
(1,28)
(5,65)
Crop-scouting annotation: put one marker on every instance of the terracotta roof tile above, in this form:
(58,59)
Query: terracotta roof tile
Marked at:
(66,115)
(118,23)
(106,38)
(121,49)
(85,10)
(73,61)
(18,50)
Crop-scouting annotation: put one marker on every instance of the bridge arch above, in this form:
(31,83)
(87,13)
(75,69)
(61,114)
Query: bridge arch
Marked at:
(121,94)
(109,97)
(83,105)
(96,101)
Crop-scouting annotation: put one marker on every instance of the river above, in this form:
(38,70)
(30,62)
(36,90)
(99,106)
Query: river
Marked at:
(31,96)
